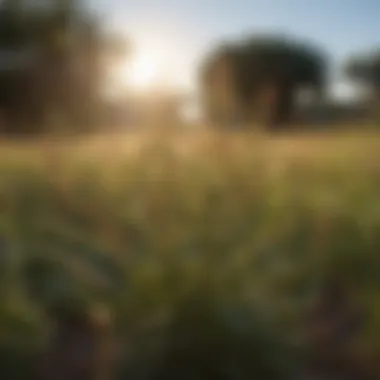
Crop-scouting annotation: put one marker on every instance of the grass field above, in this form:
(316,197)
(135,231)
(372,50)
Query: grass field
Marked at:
(252,224)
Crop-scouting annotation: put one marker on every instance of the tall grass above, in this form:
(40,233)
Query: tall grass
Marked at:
(217,241)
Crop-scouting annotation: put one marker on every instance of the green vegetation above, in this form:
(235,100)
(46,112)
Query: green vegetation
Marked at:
(54,59)
(261,76)
(208,250)
(364,69)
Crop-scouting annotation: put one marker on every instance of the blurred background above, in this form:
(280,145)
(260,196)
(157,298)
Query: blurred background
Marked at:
(189,189)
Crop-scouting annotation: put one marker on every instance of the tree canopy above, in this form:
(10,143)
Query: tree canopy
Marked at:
(63,46)
(365,68)
(262,75)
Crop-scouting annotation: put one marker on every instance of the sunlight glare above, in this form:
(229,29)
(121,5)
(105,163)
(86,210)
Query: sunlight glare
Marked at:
(156,64)
(143,71)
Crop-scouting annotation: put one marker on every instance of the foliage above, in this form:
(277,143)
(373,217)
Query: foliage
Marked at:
(365,70)
(263,73)
(57,70)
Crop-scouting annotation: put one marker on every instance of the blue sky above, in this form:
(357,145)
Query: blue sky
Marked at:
(187,28)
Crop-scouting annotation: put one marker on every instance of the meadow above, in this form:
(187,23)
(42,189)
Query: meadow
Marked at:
(209,245)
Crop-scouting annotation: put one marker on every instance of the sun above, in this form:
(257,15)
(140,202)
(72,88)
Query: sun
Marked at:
(143,71)
(155,65)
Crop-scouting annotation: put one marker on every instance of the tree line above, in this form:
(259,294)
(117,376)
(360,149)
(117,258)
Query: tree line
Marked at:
(55,56)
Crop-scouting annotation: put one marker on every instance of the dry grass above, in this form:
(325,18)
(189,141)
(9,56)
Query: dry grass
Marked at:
(142,221)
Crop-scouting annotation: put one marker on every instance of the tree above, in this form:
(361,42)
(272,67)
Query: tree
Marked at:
(258,78)
(364,69)
(64,47)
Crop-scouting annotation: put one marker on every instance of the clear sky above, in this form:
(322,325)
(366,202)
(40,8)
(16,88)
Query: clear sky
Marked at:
(185,29)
